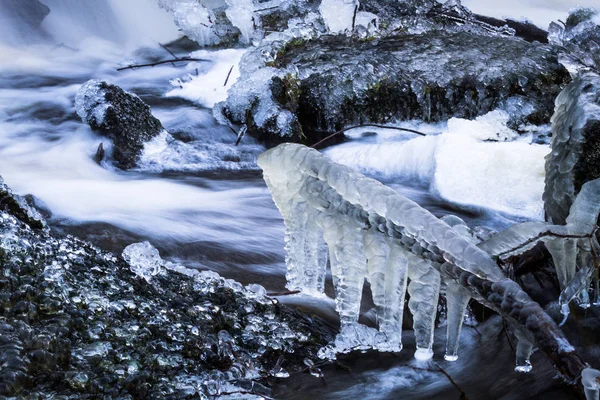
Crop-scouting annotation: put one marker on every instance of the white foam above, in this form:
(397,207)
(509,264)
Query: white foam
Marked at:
(209,88)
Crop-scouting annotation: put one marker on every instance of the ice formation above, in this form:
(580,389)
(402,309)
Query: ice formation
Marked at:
(90,102)
(590,378)
(144,259)
(374,233)
(194,19)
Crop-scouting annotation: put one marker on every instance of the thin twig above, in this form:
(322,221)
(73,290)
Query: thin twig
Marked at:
(354,18)
(463,395)
(168,50)
(283,293)
(228,75)
(182,59)
(366,126)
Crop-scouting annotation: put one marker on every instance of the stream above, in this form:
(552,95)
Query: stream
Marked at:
(217,213)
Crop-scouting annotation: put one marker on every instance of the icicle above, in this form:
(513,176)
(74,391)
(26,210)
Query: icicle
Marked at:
(524,350)
(395,290)
(457,298)
(295,242)
(315,267)
(590,378)
(564,255)
(376,251)
(348,266)
(577,285)
(424,291)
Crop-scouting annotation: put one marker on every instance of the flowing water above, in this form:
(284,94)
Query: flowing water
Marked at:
(215,214)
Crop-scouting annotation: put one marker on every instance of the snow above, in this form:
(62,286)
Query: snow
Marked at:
(90,102)
(479,163)
(338,14)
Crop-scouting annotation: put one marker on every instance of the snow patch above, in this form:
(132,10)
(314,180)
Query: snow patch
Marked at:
(476,163)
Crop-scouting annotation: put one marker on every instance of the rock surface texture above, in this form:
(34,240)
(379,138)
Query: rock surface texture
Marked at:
(77,322)
(120,116)
(324,84)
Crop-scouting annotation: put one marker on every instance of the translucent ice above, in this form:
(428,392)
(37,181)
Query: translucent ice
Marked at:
(90,102)
(144,259)
(590,378)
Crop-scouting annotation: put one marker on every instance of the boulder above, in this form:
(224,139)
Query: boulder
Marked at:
(318,86)
(120,116)
(77,322)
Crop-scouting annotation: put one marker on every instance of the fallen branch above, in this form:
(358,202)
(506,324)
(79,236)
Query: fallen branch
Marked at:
(366,126)
(182,59)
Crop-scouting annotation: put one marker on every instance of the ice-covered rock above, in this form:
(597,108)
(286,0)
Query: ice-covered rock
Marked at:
(120,116)
(20,208)
(579,38)
(77,322)
(20,21)
(334,81)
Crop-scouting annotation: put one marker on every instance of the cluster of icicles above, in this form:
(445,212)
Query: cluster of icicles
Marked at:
(373,232)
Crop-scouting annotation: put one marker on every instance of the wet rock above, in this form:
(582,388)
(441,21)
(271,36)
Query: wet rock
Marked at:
(20,207)
(77,322)
(324,84)
(120,116)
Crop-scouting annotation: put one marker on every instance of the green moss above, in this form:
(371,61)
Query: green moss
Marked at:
(291,45)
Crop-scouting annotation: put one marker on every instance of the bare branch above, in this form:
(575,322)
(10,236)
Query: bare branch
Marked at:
(182,59)
(366,126)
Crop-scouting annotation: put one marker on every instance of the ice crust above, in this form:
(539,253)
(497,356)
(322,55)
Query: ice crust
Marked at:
(90,102)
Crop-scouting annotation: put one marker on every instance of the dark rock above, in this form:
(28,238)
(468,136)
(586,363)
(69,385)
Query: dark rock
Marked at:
(76,322)
(21,208)
(575,156)
(523,29)
(120,116)
(99,156)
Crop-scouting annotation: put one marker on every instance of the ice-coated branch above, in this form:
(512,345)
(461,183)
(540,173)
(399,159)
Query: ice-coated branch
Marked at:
(377,234)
